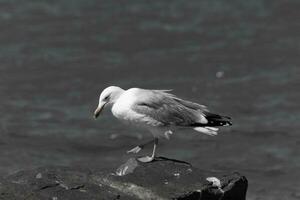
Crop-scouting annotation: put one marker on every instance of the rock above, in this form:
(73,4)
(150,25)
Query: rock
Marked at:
(55,183)
(162,179)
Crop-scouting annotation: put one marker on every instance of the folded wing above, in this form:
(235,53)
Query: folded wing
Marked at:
(170,110)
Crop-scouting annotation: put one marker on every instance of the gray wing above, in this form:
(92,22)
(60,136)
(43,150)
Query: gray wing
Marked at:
(169,109)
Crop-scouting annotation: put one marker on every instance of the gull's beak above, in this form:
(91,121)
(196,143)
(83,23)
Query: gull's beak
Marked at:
(99,109)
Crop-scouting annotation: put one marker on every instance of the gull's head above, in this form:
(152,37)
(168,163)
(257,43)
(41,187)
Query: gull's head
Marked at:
(108,97)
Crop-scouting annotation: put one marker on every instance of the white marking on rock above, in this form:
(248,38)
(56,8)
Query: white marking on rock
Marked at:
(189,170)
(39,176)
(215,181)
(122,172)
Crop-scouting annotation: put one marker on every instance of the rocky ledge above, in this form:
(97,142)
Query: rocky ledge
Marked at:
(162,179)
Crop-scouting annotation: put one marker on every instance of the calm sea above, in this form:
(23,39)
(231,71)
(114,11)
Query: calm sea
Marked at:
(240,58)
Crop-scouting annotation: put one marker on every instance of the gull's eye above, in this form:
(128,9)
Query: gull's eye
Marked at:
(106,98)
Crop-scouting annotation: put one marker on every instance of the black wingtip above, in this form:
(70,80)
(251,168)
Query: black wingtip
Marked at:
(217,120)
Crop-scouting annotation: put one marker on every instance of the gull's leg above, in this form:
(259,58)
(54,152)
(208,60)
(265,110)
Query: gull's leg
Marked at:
(148,158)
(154,147)
(139,147)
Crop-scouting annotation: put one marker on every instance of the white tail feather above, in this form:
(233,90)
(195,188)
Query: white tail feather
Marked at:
(212,131)
(212,128)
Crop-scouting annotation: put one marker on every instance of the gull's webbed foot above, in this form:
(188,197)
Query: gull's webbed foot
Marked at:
(135,150)
(146,159)
(139,147)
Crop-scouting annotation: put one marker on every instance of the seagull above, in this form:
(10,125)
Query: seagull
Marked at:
(159,112)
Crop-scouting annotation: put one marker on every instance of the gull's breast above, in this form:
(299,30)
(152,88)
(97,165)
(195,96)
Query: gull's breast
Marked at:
(122,110)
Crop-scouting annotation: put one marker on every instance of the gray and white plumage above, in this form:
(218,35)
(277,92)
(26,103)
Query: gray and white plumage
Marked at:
(159,111)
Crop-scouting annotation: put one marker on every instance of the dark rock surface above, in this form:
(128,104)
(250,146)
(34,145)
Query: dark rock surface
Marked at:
(161,179)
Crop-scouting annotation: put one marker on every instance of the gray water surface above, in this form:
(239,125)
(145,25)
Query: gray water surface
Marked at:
(239,58)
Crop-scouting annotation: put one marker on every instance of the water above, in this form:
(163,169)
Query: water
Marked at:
(239,58)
